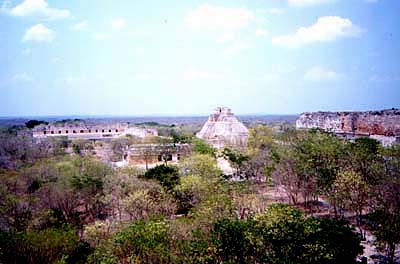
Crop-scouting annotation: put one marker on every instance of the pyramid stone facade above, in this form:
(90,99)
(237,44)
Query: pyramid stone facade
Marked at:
(383,125)
(223,129)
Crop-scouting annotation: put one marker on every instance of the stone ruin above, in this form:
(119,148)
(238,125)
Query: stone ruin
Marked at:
(224,129)
(383,125)
(86,130)
(148,154)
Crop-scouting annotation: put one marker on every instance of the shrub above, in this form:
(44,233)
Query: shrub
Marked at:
(168,176)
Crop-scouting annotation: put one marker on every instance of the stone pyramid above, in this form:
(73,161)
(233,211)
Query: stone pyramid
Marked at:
(223,129)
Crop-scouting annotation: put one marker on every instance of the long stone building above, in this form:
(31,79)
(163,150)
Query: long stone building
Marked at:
(383,125)
(224,129)
(84,130)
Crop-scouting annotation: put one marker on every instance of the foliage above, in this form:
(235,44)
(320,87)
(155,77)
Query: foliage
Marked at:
(284,235)
(19,148)
(233,241)
(44,246)
(32,123)
(118,146)
(80,145)
(59,144)
(141,242)
(182,138)
(247,200)
(157,140)
(202,165)
(351,192)
(49,197)
(167,176)
(260,137)
(190,191)
(236,159)
(365,159)
(385,220)
(385,224)
(201,147)
(147,204)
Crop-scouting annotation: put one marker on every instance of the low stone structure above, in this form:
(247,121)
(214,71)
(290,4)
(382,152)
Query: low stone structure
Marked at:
(147,154)
(224,129)
(83,130)
(383,126)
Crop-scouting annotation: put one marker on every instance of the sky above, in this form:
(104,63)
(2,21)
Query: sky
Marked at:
(104,57)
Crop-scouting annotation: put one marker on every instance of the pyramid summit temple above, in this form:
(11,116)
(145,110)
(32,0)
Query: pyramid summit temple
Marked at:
(223,129)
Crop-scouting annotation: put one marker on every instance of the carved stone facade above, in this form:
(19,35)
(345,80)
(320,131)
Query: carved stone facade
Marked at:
(382,125)
(147,154)
(86,131)
(224,129)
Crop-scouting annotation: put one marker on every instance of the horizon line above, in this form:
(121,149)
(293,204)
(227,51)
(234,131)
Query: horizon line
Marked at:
(139,115)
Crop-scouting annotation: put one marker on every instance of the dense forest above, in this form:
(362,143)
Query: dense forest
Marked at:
(296,197)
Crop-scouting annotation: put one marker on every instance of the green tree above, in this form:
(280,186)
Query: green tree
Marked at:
(32,123)
(259,147)
(364,159)
(79,146)
(236,159)
(148,203)
(167,176)
(43,246)
(201,147)
(351,192)
(190,191)
(202,165)
(141,242)
(385,225)
(233,241)
(260,137)
(385,220)
(284,235)
(288,236)
(307,165)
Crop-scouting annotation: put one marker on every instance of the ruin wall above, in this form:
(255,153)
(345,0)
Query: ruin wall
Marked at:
(384,123)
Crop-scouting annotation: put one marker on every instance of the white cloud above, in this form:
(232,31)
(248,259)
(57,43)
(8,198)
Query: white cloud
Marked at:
(39,33)
(139,51)
(260,32)
(226,37)
(235,48)
(39,8)
(142,76)
(319,73)
(5,6)
(273,11)
(140,33)
(22,77)
(80,26)
(100,36)
(306,3)
(326,29)
(209,17)
(118,23)
(271,77)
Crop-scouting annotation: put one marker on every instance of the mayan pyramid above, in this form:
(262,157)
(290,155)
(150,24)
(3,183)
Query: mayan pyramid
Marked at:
(224,129)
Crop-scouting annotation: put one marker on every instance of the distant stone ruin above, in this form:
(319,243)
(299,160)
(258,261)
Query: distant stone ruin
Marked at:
(224,129)
(383,126)
(150,154)
(84,130)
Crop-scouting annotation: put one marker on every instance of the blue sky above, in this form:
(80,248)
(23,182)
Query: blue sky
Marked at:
(103,57)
